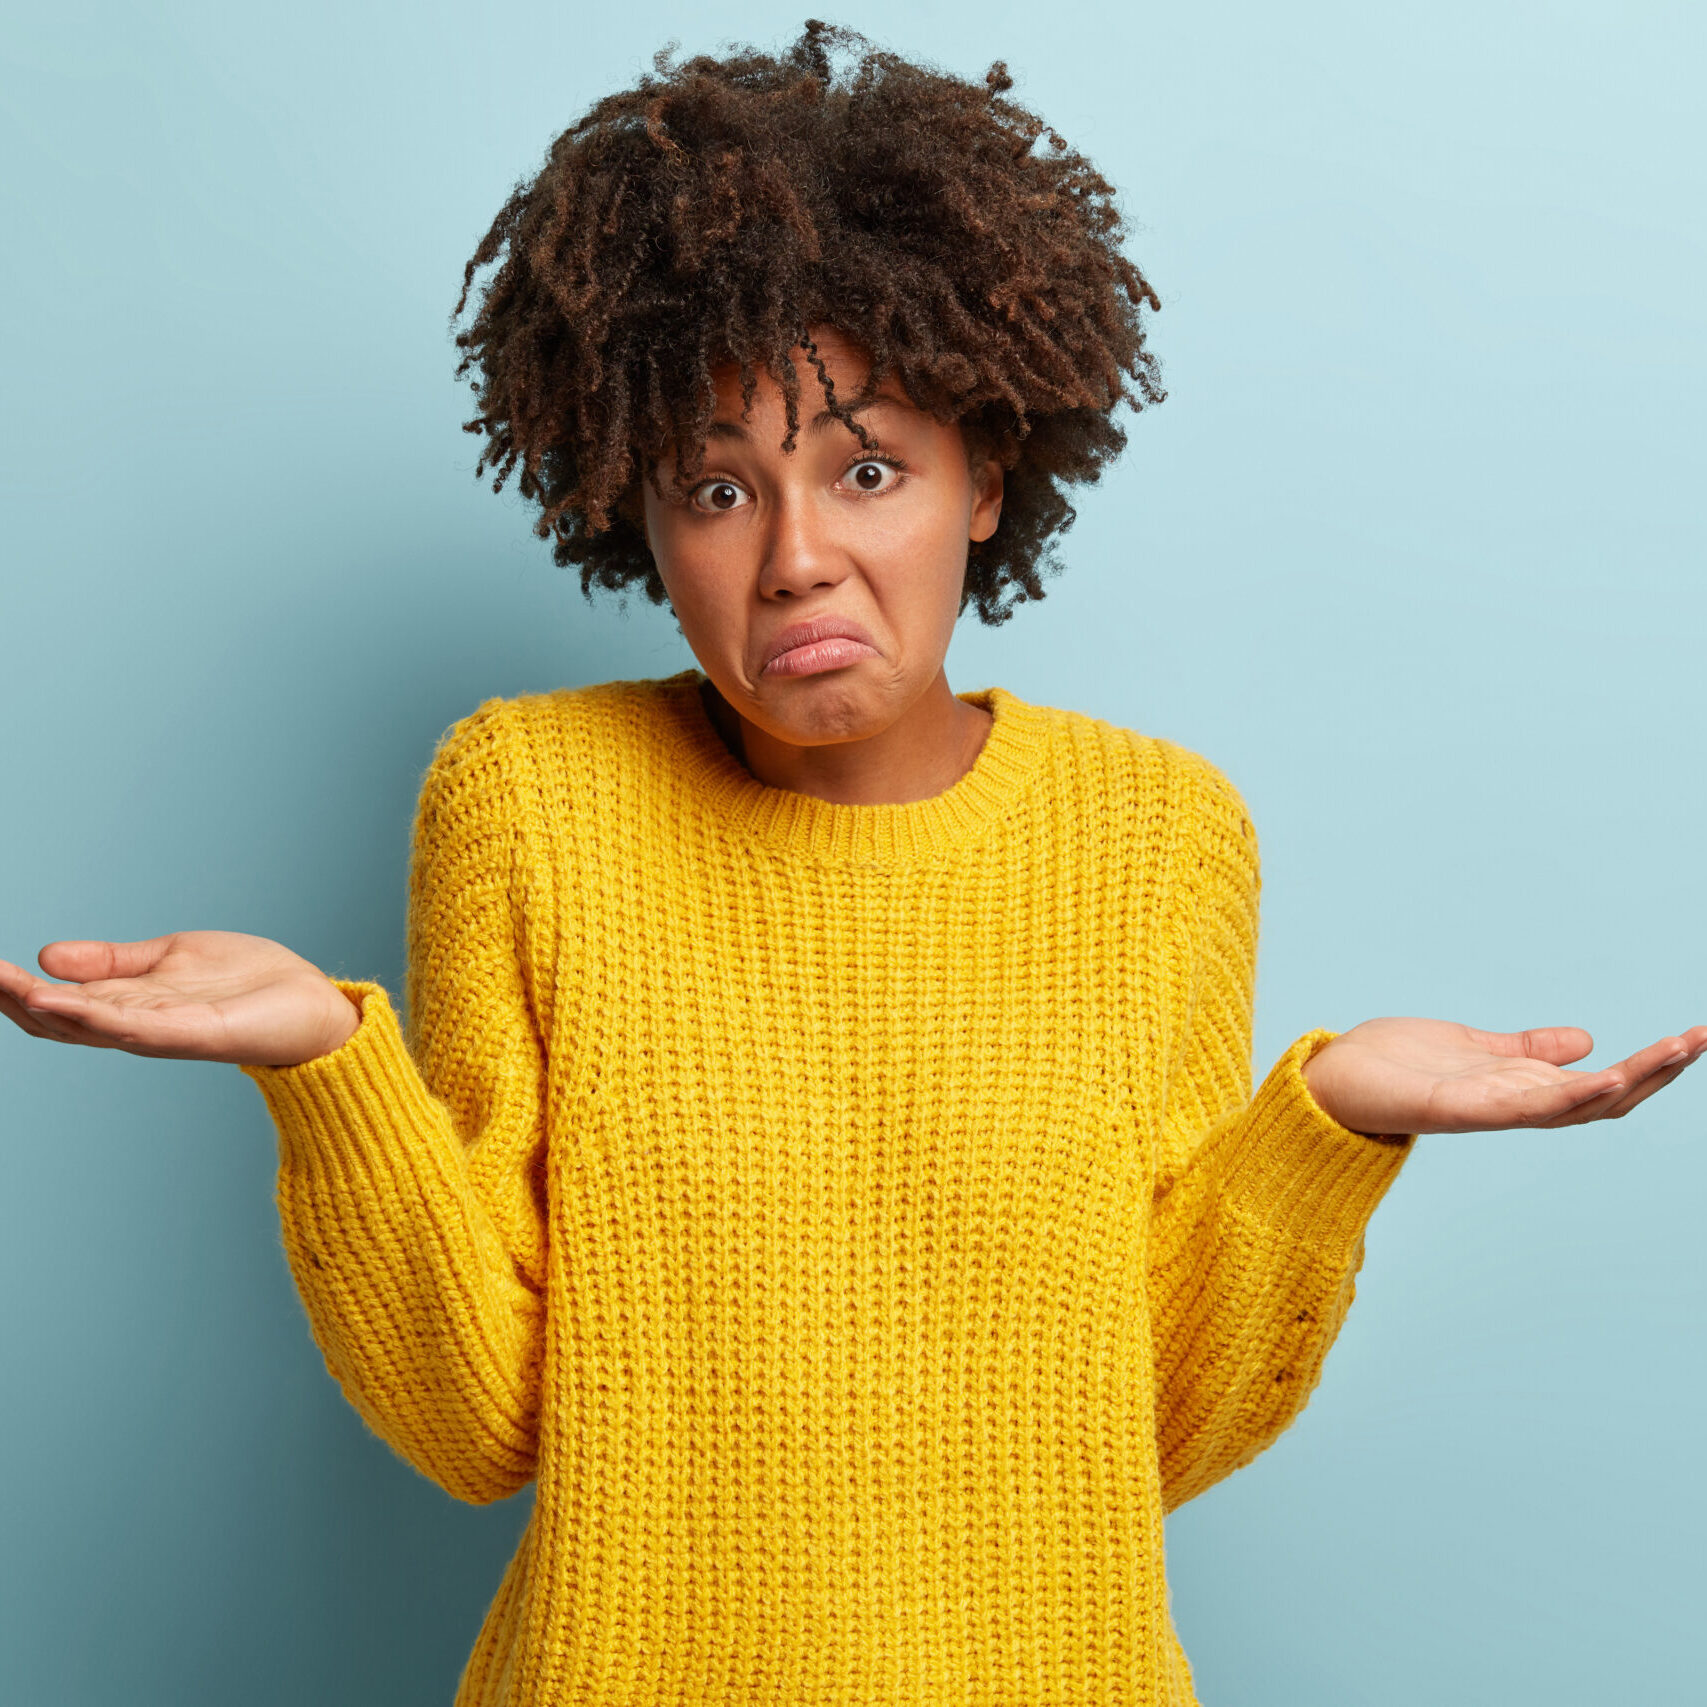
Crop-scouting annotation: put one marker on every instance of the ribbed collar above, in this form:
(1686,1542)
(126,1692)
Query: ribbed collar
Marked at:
(830,832)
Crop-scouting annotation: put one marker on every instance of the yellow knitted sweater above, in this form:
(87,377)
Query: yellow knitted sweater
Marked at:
(855,1219)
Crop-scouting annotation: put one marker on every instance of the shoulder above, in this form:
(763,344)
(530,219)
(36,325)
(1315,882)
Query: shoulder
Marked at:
(602,719)
(1177,794)
(504,781)
(519,732)
(1217,812)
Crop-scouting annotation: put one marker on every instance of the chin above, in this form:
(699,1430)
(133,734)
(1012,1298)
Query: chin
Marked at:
(814,711)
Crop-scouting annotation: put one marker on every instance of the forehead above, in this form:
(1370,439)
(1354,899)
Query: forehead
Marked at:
(890,411)
(884,409)
(845,359)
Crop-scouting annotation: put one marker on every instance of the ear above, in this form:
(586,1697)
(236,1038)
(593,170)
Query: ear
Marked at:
(986,499)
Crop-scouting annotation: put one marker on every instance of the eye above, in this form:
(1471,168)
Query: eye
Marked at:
(867,474)
(719,495)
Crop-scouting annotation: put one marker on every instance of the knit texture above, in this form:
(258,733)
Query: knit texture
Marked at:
(856,1219)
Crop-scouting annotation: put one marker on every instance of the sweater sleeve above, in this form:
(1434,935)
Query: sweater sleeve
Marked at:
(410,1167)
(1262,1201)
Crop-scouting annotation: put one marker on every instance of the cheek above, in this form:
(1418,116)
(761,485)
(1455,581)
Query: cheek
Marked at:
(708,600)
(925,546)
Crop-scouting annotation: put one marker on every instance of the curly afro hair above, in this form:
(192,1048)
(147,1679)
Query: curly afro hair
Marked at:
(710,215)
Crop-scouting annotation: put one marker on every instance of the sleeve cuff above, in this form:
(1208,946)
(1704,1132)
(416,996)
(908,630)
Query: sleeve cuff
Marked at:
(334,1113)
(1299,1171)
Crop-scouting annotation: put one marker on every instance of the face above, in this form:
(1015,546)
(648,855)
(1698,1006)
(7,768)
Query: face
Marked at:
(770,550)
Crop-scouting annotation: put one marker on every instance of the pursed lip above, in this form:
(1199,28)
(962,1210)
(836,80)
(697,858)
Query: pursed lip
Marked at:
(816,628)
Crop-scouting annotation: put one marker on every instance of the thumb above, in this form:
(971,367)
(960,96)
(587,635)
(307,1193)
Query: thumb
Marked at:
(1556,1044)
(84,961)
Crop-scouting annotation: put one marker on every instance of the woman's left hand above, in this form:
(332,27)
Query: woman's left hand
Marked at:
(1391,1076)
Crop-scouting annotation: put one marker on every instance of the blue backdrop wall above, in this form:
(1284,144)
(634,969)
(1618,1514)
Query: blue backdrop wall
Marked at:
(1413,551)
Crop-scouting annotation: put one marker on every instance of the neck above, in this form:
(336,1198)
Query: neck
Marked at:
(923,753)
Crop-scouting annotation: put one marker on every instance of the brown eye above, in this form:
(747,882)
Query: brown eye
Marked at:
(868,475)
(718,495)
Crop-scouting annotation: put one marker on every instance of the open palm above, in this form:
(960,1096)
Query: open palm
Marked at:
(190,996)
(1429,1075)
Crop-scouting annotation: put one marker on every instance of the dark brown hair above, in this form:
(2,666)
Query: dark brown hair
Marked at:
(714,212)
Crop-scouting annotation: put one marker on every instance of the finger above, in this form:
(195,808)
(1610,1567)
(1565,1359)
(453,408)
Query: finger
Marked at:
(16,981)
(133,1026)
(1555,1044)
(82,960)
(55,1028)
(15,1011)
(1664,1053)
(1676,1062)
(1640,1093)
(1548,1105)
(1614,1107)
(1635,1074)
(27,990)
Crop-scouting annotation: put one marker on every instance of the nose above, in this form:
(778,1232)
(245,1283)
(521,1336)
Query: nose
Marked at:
(801,553)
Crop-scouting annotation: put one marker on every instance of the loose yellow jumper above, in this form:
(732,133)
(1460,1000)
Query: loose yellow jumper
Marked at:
(857,1220)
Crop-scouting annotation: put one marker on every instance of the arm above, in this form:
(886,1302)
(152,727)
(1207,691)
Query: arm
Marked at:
(1257,1227)
(409,1174)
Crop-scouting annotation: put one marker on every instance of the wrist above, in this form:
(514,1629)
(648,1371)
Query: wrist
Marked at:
(345,1022)
(1319,1079)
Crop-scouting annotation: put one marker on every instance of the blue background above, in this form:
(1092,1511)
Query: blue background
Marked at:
(1413,552)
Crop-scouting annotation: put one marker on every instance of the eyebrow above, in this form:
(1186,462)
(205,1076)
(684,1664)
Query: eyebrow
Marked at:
(734,429)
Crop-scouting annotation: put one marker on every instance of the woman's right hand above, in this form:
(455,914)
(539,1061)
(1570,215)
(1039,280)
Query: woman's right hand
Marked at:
(190,996)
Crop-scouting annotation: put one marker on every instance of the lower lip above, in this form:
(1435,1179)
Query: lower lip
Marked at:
(819,655)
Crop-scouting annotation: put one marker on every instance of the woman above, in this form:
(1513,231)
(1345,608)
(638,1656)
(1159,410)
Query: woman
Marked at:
(823,1154)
